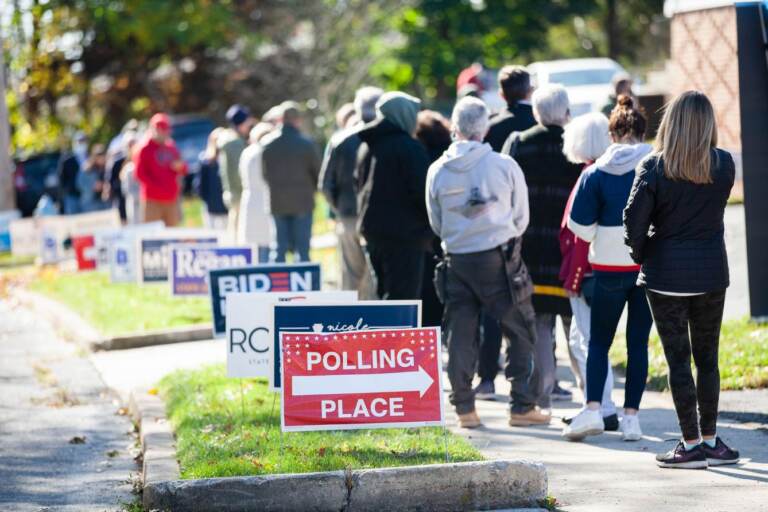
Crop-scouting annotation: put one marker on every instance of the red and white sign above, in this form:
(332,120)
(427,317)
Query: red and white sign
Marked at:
(361,379)
(85,252)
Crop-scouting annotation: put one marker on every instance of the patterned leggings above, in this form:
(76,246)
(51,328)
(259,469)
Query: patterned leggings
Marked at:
(702,314)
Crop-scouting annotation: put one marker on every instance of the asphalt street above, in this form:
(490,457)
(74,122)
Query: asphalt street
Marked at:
(63,447)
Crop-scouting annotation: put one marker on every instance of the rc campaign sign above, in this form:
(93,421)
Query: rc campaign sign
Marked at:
(190,265)
(257,279)
(340,319)
(251,327)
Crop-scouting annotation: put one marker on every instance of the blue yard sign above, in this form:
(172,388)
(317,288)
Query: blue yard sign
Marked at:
(190,265)
(301,277)
(340,318)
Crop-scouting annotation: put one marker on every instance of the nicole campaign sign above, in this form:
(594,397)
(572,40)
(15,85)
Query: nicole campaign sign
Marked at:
(152,250)
(190,265)
(340,318)
(363,379)
(301,277)
(251,327)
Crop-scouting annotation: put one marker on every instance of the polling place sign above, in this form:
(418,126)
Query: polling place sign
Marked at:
(251,327)
(301,277)
(363,379)
(190,265)
(153,251)
(340,319)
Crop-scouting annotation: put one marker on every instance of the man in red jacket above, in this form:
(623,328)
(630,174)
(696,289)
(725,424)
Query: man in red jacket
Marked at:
(158,167)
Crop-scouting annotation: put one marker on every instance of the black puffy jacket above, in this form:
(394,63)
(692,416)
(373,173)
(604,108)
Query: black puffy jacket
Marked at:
(391,178)
(675,229)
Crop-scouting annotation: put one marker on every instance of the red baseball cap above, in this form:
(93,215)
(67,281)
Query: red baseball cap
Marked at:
(160,122)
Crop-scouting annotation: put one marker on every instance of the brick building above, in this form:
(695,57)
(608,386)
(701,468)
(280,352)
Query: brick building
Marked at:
(704,56)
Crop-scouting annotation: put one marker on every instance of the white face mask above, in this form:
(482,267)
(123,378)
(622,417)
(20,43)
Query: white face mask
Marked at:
(80,148)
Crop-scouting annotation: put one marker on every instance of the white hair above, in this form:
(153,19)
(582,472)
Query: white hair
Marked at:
(365,102)
(586,137)
(470,118)
(550,105)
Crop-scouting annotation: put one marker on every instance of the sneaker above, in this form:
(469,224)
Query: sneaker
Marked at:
(611,423)
(586,423)
(559,393)
(485,390)
(469,420)
(533,417)
(630,428)
(720,454)
(679,457)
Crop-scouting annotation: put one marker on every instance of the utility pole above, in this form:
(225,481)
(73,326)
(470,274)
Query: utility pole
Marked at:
(7,196)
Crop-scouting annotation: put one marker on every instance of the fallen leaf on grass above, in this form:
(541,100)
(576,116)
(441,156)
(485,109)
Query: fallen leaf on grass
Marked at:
(321,452)
(77,440)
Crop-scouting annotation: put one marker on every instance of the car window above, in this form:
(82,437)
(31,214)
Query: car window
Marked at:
(582,77)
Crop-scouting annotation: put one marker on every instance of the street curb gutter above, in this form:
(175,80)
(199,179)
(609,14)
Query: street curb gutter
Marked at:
(75,328)
(484,485)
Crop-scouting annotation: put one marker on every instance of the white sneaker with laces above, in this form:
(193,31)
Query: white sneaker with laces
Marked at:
(630,428)
(586,423)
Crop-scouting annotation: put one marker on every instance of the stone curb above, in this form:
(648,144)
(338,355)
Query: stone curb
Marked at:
(484,485)
(158,445)
(74,328)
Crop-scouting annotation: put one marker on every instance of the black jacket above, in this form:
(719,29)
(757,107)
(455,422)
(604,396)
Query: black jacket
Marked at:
(208,186)
(68,171)
(516,118)
(550,178)
(674,229)
(337,181)
(391,179)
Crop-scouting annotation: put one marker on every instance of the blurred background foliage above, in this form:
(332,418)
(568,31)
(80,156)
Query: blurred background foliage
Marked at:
(93,64)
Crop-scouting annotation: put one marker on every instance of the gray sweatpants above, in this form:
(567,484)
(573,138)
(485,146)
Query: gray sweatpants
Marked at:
(479,280)
(355,274)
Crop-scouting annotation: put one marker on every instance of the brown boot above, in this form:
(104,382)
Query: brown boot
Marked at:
(532,417)
(469,420)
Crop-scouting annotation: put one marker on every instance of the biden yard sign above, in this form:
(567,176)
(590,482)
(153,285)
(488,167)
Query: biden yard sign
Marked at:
(361,379)
(190,265)
(301,277)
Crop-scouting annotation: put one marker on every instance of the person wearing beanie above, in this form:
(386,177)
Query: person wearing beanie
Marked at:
(158,165)
(290,165)
(391,177)
(337,183)
(231,143)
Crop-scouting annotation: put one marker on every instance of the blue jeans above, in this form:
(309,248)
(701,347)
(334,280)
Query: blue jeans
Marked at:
(292,233)
(71,205)
(612,291)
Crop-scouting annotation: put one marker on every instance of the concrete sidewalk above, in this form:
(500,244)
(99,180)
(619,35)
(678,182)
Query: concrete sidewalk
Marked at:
(606,474)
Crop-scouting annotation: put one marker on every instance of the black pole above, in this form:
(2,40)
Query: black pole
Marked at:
(753,102)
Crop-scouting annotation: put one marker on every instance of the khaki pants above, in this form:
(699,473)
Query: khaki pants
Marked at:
(166,211)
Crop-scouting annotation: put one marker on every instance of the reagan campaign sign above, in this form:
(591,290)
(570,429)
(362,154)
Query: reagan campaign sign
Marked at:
(190,265)
(362,379)
(251,327)
(340,318)
(301,277)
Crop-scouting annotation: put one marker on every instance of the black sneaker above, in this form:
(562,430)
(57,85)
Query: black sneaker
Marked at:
(486,390)
(559,393)
(679,457)
(720,454)
(611,423)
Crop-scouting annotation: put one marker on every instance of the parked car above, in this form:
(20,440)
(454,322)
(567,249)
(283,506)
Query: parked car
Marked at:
(190,132)
(588,81)
(34,176)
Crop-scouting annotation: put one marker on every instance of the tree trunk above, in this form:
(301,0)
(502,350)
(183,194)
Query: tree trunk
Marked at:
(611,29)
(7,196)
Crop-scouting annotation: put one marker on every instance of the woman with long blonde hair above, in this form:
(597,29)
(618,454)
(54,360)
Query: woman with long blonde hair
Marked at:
(674,227)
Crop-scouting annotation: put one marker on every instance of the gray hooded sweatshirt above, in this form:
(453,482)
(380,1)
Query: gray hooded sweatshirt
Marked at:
(476,199)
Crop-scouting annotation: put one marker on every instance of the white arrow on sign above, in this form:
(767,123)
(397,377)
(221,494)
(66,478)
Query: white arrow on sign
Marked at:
(419,381)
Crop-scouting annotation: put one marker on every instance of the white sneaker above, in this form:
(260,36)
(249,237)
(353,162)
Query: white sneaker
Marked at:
(630,428)
(586,423)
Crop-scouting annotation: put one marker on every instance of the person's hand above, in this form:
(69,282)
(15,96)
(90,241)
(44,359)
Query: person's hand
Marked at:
(178,165)
(571,294)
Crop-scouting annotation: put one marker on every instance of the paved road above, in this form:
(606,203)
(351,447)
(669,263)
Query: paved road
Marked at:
(49,394)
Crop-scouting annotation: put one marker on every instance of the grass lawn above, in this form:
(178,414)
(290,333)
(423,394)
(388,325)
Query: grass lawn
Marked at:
(214,439)
(743,357)
(124,308)
(8,260)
